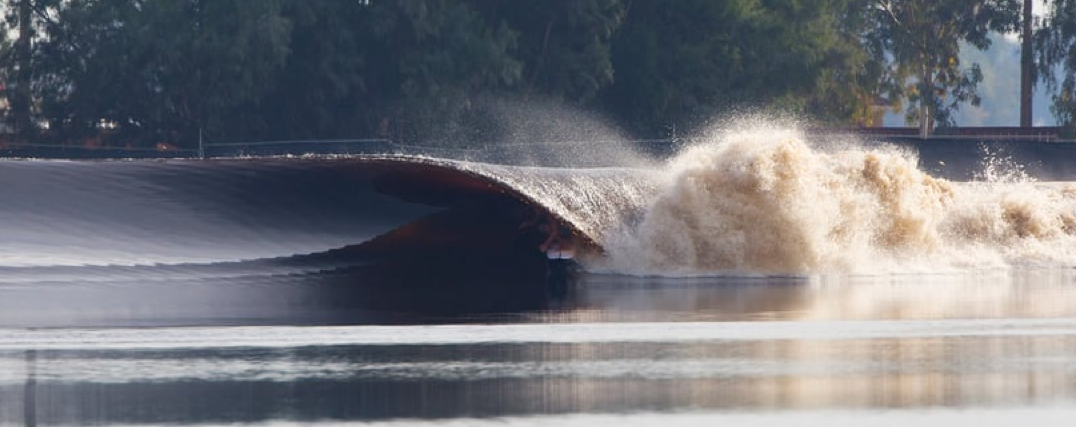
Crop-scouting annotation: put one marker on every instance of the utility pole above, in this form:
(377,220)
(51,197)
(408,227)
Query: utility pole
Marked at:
(1027,84)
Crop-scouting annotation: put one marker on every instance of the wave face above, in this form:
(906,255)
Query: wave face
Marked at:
(597,202)
(220,218)
(131,213)
(768,202)
(760,202)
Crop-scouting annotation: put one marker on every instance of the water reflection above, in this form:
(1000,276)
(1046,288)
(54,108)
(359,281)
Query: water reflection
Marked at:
(990,294)
(370,382)
(515,289)
(608,345)
(29,397)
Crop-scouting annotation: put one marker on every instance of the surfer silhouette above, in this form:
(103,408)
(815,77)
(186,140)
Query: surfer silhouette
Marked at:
(556,240)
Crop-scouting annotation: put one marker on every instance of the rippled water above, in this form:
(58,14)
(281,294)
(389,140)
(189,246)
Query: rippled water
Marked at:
(992,346)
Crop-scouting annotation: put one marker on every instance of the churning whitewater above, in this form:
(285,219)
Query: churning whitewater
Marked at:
(769,202)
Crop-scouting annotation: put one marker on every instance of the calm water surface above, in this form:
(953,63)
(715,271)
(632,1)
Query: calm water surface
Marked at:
(989,347)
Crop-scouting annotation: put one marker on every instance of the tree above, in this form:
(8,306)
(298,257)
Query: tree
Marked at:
(1027,65)
(168,71)
(680,63)
(1055,45)
(422,69)
(26,16)
(429,60)
(404,70)
(564,46)
(6,57)
(161,70)
(851,83)
(21,99)
(320,91)
(920,41)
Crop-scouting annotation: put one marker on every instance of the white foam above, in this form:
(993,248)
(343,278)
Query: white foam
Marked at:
(769,201)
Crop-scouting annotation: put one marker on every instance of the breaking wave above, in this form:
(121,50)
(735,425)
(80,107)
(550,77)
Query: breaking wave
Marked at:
(751,202)
(770,202)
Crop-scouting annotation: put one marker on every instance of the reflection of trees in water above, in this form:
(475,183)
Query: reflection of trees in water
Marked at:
(893,370)
(29,399)
(547,378)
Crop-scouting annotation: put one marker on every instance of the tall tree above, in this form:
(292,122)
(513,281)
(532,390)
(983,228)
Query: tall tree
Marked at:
(6,57)
(1055,45)
(26,17)
(852,83)
(678,64)
(921,39)
(1027,65)
(321,88)
(428,61)
(564,45)
(161,70)
(405,70)
(21,101)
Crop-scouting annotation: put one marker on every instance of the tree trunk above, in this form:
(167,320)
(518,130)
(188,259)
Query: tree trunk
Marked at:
(926,98)
(21,101)
(1026,71)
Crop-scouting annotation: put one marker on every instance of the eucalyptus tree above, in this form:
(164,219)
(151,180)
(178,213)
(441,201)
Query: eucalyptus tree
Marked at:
(1027,64)
(26,18)
(22,54)
(6,57)
(1055,44)
(920,41)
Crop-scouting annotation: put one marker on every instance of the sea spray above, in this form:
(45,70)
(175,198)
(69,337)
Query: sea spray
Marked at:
(768,202)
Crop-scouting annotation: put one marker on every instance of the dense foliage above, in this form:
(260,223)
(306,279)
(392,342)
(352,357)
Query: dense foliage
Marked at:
(919,41)
(1056,47)
(151,71)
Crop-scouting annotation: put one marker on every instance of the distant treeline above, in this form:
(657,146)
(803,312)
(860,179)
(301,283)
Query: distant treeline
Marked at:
(145,72)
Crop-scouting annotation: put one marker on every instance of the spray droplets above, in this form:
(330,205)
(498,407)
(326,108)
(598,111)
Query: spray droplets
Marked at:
(769,202)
